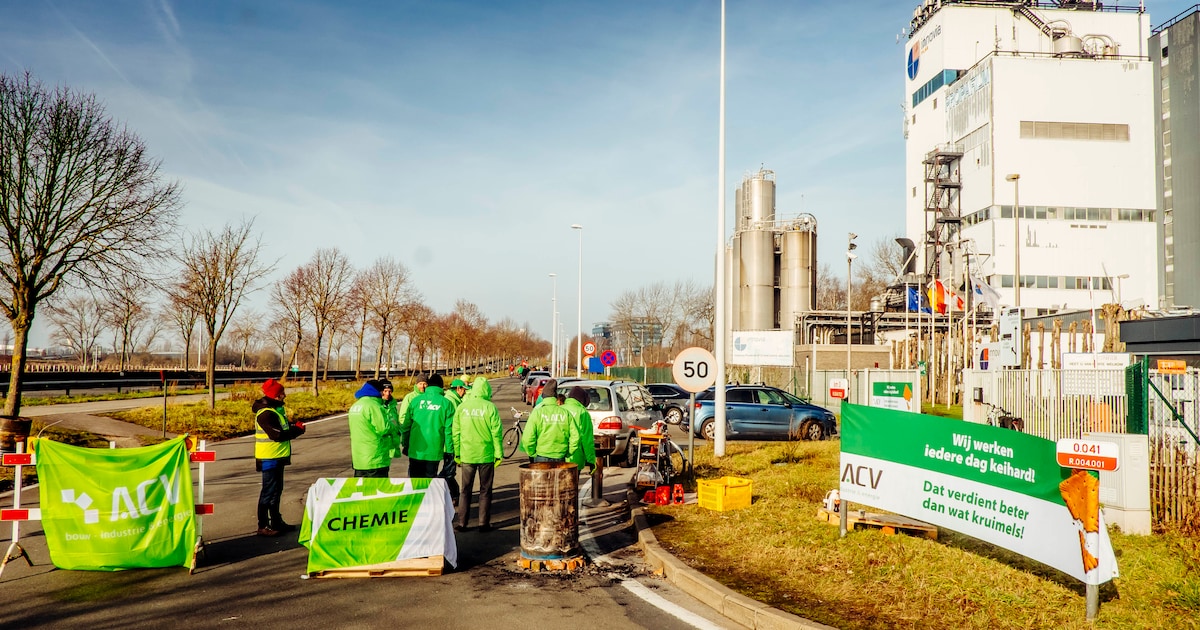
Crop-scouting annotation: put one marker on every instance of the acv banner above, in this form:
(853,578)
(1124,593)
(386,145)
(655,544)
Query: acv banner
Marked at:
(363,521)
(121,508)
(998,485)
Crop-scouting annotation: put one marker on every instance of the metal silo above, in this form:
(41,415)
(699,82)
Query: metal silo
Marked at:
(797,269)
(757,260)
(733,284)
(758,198)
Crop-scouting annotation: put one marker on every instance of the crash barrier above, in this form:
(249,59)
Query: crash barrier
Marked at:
(550,517)
(373,527)
(110,509)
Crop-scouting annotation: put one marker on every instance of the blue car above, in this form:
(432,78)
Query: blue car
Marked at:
(761,412)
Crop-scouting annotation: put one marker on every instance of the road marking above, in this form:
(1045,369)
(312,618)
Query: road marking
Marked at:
(661,603)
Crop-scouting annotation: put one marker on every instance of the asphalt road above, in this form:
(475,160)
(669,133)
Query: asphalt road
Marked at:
(245,580)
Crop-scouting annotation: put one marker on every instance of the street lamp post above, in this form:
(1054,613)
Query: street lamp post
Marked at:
(719,334)
(1015,178)
(850,256)
(1119,279)
(554,328)
(579,308)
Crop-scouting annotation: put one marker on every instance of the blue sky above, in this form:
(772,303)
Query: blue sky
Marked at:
(464,138)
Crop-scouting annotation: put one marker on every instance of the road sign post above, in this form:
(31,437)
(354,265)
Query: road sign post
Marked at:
(695,370)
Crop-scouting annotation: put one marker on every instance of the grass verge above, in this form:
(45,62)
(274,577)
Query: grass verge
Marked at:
(65,436)
(232,416)
(36,401)
(776,551)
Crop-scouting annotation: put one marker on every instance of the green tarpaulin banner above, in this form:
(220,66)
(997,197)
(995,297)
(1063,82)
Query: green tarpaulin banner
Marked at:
(997,485)
(122,508)
(359,522)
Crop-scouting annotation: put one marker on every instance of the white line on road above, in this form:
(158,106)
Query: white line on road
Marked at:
(661,603)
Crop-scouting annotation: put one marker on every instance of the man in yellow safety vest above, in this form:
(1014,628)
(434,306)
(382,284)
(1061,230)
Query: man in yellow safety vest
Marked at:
(273,436)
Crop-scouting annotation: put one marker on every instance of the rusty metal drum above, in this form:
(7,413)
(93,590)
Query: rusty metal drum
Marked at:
(550,516)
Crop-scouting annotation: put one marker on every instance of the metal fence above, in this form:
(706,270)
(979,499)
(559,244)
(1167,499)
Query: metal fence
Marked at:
(1056,404)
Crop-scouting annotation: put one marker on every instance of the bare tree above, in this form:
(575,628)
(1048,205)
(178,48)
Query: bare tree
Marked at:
(328,282)
(219,269)
(76,322)
(358,314)
(81,201)
(242,332)
(279,335)
(419,326)
(127,313)
(387,290)
(183,316)
(288,297)
(831,290)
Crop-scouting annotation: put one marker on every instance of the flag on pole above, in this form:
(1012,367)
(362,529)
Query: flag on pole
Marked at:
(942,298)
(917,302)
(984,291)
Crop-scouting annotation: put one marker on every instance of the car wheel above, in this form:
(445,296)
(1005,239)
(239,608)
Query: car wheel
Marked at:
(631,452)
(811,430)
(709,430)
(674,415)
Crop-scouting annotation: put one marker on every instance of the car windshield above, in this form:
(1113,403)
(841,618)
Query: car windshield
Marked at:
(598,398)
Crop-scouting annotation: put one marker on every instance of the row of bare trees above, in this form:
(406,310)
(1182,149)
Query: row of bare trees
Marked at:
(324,304)
(660,319)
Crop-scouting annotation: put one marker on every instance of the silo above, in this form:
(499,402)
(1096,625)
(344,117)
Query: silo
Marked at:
(758,197)
(733,284)
(757,260)
(797,269)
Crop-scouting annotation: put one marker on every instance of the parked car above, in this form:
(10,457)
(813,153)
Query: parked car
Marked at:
(673,398)
(536,392)
(531,378)
(761,412)
(618,409)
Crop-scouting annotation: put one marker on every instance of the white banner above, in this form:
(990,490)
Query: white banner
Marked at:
(762,347)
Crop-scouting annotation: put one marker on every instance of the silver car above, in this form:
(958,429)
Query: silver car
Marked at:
(618,409)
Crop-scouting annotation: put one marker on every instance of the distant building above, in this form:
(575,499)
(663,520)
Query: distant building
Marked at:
(1058,96)
(1176,62)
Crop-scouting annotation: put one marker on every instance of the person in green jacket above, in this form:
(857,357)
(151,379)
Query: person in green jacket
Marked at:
(476,430)
(425,433)
(576,405)
(457,390)
(391,410)
(373,434)
(550,434)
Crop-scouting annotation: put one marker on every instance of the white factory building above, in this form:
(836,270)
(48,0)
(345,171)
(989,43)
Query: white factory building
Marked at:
(1050,103)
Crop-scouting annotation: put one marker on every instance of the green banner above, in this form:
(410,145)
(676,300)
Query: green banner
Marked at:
(123,508)
(998,485)
(360,522)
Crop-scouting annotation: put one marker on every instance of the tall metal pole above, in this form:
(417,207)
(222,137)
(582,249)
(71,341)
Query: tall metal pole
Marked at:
(1015,178)
(579,308)
(719,337)
(554,328)
(850,256)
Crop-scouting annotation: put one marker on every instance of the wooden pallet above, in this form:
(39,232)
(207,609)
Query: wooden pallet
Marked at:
(562,564)
(886,523)
(431,565)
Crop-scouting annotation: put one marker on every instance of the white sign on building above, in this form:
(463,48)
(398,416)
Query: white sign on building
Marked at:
(761,347)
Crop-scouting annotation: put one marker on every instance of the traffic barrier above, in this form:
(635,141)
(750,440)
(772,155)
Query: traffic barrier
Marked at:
(16,515)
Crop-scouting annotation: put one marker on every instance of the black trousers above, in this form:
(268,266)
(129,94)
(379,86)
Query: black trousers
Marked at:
(268,498)
(373,472)
(449,472)
(486,473)
(421,468)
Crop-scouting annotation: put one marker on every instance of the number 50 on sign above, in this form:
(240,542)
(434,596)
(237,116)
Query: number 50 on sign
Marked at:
(695,369)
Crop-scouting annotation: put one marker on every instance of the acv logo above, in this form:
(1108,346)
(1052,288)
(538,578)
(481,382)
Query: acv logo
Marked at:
(126,504)
(914,60)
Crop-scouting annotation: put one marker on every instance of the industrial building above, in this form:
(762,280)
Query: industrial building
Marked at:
(1176,63)
(1046,107)
(771,263)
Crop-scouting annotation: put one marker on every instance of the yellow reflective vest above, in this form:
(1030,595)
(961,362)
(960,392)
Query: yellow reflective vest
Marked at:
(264,446)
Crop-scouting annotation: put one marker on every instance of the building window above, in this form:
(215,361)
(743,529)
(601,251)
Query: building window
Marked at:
(1042,130)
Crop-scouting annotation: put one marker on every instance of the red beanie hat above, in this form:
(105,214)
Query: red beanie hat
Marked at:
(272,389)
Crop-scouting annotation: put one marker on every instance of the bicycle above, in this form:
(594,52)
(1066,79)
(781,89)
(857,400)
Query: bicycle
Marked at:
(656,448)
(999,417)
(512,436)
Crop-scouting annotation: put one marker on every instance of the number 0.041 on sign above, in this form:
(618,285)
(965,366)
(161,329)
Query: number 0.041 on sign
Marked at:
(1087,454)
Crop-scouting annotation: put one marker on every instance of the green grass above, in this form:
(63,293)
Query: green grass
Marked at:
(65,436)
(232,416)
(776,551)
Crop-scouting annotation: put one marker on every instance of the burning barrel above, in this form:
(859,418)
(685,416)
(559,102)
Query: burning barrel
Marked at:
(550,517)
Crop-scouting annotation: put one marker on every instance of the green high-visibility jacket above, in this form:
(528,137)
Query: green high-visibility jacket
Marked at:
(425,432)
(550,431)
(477,426)
(586,453)
(372,434)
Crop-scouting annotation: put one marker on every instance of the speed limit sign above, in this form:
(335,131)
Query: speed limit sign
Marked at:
(695,369)
(589,349)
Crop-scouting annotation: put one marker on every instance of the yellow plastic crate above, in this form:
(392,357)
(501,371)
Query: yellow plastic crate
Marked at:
(725,493)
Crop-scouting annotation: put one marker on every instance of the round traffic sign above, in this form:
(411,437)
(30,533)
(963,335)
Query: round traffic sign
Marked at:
(608,358)
(589,348)
(695,369)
